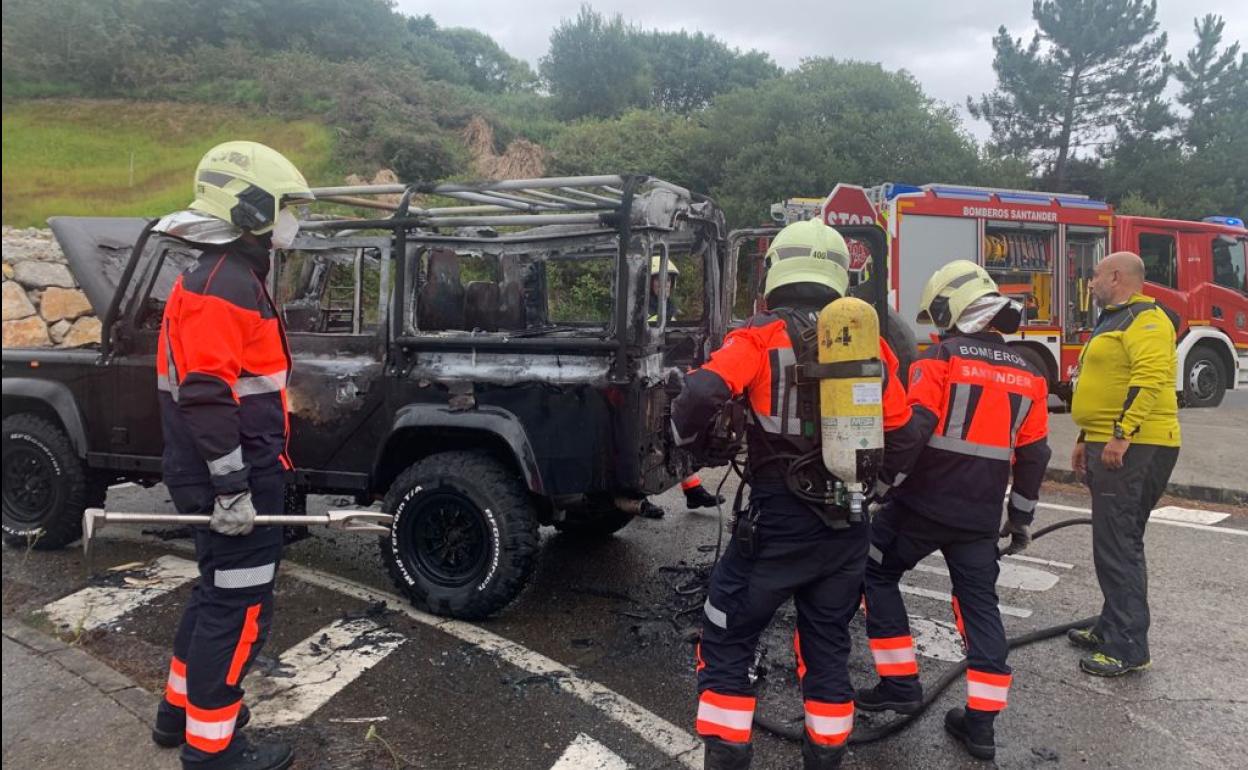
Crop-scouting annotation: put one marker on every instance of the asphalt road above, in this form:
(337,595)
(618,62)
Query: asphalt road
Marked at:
(593,667)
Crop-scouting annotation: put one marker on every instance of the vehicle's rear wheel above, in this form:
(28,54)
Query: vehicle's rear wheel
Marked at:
(1204,381)
(597,520)
(464,541)
(45,484)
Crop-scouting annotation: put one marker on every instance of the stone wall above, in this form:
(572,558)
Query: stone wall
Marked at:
(43,307)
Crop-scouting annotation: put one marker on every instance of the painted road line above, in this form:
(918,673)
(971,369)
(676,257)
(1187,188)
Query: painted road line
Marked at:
(1189,515)
(936,639)
(1010,575)
(585,753)
(319,667)
(97,606)
(1036,560)
(1167,522)
(673,742)
(927,593)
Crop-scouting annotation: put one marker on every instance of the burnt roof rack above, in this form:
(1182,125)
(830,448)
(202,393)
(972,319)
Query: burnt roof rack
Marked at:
(604,201)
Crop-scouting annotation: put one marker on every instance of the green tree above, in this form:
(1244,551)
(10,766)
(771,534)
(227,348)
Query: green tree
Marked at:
(688,70)
(1093,67)
(639,141)
(827,122)
(594,67)
(1212,82)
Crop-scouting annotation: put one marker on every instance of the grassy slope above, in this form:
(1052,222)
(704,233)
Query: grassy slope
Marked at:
(72,157)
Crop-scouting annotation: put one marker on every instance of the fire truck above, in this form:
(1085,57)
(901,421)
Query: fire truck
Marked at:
(1041,249)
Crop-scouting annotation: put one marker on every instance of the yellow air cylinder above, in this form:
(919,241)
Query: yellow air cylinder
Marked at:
(851,411)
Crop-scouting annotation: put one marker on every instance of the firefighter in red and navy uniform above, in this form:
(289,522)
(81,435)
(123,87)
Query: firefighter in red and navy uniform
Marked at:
(783,547)
(222,366)
(982,412)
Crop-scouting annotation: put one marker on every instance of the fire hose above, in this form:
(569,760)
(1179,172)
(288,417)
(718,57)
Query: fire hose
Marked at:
(878,732)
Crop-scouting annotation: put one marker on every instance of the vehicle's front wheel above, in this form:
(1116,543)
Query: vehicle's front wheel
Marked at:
(45,484)
(464,541)
(1204,383)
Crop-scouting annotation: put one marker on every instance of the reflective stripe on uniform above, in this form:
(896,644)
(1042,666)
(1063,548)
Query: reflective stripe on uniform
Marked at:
(1024,407)
(210,730)
(246,639)
(717,616)
(226,464)
(957,414)
(1022,503)
(829,724)
(175,685)
(986,691)
(894,656)
(964,447)
(253,385)
(725,716)
(244,577)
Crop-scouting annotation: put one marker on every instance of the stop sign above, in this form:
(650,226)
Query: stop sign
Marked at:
(849,205)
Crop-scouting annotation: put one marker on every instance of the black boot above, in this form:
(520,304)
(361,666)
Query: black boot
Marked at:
(169,732)
(649,510)
(889,696)
(816,757)
(974,729)
(726,755)
(698,497)
(245,755)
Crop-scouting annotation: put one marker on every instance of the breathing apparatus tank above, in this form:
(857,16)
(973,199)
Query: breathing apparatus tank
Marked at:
(851,412)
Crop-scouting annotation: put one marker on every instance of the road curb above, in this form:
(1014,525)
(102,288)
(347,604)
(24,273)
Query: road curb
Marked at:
(1189,491)
(110,682)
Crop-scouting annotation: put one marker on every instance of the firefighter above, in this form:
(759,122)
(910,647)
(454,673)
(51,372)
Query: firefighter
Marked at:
(696,495)
(981,409)
(222,364)
(782,547)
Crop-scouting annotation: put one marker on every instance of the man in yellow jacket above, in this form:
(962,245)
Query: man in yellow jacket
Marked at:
(1127,411)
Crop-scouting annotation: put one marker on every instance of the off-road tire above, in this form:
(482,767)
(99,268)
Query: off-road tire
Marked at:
(46,485)
(1214,379)
(597,521)
(500,519)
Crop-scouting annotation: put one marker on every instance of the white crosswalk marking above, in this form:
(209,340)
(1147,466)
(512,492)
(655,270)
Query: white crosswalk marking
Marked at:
(1045,562)
(1011,575)
(321,665)
(1188,515)
(1017,612)
(585,753)
(97,606)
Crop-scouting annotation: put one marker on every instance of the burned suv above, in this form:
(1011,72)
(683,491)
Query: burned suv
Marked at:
(486,361)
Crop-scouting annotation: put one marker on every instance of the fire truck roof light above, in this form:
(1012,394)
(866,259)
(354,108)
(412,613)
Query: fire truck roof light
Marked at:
(1228,221)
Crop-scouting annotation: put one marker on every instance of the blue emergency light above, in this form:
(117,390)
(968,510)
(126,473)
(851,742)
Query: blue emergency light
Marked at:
(1228,221)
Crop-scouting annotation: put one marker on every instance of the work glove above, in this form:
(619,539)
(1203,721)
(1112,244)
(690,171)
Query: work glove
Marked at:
(1019,534)
(233,514)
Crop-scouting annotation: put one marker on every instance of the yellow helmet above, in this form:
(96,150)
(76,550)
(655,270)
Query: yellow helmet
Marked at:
(951,289)
(656,264)
(247,184)
(807,252)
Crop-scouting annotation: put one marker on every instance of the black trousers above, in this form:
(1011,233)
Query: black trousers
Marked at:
(226,621)
(900,539)
(1122,500)
(823,576)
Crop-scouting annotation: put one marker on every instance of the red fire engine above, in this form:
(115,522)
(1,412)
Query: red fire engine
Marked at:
(1041,249)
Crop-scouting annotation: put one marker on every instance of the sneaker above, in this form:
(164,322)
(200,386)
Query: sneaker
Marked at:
(698,497)
(169,732)
(649,510)
(879,698)
(1100,664)
(975,734)
(1084,639)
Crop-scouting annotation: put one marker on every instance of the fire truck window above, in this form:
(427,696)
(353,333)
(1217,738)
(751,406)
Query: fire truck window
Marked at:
(1229,264)
(1160,260)
(1021,262)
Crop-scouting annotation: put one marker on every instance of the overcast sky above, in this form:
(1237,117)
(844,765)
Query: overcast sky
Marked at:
(946,45)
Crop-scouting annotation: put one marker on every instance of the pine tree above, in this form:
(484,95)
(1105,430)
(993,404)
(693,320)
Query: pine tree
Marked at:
(1212,82)
(1095,67)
